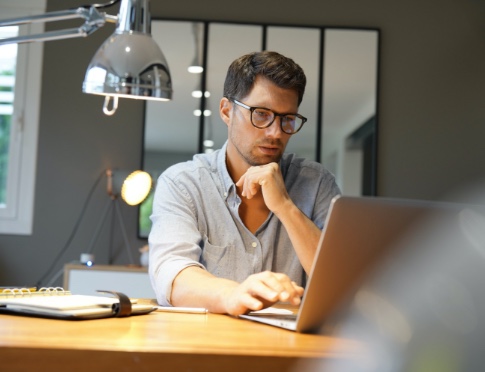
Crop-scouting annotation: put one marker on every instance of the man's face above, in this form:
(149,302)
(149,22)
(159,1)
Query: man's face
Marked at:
(252,145)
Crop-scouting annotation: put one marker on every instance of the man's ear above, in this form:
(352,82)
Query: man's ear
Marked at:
(225,110)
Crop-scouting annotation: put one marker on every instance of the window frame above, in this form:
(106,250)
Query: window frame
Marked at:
(16,217)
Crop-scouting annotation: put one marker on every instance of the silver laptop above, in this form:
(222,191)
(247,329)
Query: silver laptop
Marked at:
(358,234)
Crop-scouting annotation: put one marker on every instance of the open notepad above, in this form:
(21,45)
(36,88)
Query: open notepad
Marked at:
(58,303)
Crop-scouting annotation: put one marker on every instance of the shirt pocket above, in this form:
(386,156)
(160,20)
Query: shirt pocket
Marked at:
(218,260)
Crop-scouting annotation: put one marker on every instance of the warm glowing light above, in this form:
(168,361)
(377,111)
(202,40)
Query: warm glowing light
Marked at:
(136,187)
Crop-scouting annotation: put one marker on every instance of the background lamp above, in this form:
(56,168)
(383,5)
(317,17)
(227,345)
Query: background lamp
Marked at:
(196,67)
(128,64)
(133,187)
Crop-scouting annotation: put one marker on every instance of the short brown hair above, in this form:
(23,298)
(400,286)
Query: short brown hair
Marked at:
(280,70)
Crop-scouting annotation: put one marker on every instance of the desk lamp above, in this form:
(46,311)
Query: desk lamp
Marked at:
(128,64)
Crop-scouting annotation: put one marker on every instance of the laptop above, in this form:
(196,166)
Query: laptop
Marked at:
(359,232)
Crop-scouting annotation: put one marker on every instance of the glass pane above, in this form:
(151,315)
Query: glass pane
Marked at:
(8,59)
(171,128)
(303,46)
(349,107)
(226,43)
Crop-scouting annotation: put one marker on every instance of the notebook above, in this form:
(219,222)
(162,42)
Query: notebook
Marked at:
(358,233)
(61,304)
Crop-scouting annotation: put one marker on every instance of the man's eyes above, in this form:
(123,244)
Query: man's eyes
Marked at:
(262,114)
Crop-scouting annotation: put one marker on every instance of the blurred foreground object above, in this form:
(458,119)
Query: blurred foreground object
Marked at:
(423,309)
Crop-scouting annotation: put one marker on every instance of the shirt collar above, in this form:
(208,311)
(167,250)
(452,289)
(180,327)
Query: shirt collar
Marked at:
(228,185)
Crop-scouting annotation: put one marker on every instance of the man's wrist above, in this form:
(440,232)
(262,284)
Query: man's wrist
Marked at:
(223,295)
(286,210)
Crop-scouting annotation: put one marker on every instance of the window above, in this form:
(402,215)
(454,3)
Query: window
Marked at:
(8,59)
(20,78)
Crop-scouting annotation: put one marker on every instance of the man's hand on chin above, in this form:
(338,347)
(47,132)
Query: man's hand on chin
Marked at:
(267,179)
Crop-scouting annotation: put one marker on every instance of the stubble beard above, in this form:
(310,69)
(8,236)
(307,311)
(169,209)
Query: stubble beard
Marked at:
(254,160)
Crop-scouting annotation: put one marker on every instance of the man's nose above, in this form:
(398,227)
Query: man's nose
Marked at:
(274,130)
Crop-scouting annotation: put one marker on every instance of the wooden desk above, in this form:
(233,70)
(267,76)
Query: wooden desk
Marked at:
(161,341)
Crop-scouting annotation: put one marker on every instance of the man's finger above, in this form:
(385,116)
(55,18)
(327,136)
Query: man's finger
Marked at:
(260,289)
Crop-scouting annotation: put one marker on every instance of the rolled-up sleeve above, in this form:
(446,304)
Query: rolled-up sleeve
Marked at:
(174,238)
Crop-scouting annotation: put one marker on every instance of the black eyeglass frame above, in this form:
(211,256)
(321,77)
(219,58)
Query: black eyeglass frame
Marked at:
(253,108)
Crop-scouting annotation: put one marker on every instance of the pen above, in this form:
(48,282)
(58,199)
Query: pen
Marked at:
(179,309)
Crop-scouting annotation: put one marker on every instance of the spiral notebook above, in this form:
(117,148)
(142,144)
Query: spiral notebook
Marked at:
(61,304)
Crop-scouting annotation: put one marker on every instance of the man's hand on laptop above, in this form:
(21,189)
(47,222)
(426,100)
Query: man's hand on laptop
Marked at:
(261,290)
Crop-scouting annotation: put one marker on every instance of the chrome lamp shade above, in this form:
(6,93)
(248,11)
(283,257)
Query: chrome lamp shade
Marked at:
(129,63)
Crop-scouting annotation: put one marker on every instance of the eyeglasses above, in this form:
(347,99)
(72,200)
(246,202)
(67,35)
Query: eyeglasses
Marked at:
(262,118)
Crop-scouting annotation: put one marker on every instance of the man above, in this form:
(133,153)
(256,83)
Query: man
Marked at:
(237,230)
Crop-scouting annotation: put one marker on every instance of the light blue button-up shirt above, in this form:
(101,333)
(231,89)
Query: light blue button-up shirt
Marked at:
(195,222)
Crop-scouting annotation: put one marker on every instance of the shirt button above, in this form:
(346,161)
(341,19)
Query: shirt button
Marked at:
(254,244)
(225,194)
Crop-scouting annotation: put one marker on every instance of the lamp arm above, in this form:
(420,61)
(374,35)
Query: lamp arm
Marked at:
(93,21)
